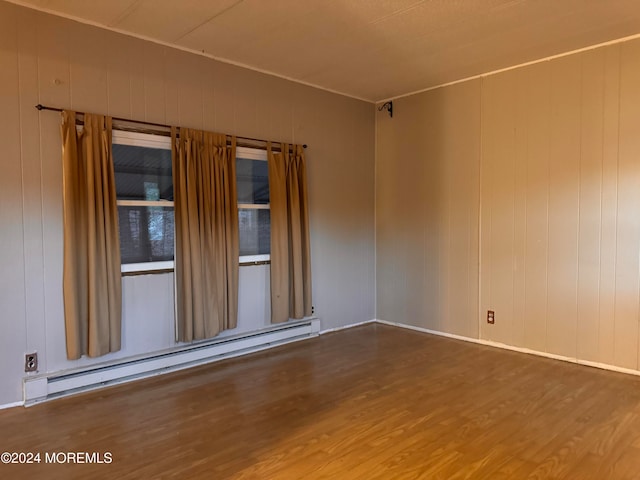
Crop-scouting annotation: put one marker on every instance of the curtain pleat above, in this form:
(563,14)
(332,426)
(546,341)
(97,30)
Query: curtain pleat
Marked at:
(91,273)
(290,250)
(206,223)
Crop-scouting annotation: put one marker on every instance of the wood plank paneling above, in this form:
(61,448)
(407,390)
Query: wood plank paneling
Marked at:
(498,204)
(88,70)
(138,81)
(427,194)
(121,79)
(172,85)
(609,208)
(520,209)
(12,193)
(589,247)
(575,152)
(190,96)
(628,237)
(564,197)
(54,88)
(432,228)
(463,197)
(224,97)
(208,97)
(155,99)
(487,156)
(32,194)
(61,63)
(245,104)
(559,193)
(537,81)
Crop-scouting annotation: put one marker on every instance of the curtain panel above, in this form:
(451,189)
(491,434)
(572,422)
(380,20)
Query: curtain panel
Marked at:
(206,229)
(91,273)
(290,250)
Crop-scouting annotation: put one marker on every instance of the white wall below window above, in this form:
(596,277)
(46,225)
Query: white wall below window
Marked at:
(148,320)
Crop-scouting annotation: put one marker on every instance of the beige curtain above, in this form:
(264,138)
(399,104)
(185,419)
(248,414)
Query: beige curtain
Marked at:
(91,278)
(290,254)
(206,222)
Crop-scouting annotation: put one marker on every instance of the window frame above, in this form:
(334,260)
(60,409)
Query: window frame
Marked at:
(147,140)
(259,154)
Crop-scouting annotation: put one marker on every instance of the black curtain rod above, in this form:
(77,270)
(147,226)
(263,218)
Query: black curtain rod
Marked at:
(160,125)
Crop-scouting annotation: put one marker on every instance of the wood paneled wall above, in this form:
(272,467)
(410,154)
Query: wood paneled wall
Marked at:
(53,61)
(560,198)
(546,160)
(427,204)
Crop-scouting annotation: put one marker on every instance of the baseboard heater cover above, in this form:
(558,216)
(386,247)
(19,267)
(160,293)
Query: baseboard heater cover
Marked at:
(58,384)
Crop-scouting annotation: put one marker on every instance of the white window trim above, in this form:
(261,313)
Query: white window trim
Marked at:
(255,258)
(146,266)
(251,153)
(136,139)
(254,206)
(144,203)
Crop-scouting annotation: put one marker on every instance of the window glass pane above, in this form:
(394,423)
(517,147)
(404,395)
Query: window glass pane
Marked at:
(142,173)
(253,181)
(255,231)
(146,234)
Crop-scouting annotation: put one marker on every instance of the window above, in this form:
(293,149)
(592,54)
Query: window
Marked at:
(144,191)
(252,176)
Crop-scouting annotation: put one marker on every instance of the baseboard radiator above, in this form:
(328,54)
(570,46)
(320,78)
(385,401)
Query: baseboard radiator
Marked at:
(48,386)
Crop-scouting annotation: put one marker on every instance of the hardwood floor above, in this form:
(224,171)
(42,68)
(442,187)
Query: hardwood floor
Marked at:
(373,402)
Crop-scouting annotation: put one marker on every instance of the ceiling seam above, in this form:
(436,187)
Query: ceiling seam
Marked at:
(210,19)
(126,13)
(513,67)
(413,6)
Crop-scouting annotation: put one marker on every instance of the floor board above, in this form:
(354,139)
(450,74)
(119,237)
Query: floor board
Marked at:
(372,402)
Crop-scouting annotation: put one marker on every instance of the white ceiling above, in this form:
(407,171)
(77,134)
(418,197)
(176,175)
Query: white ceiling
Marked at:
(368,49)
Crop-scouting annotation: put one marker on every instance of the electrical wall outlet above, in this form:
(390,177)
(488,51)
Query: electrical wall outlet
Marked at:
(491,317)
(31,362)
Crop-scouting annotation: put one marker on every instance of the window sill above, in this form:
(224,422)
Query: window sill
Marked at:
(150,268)
(146,267)
(146,272)
(251,260)
(254,263)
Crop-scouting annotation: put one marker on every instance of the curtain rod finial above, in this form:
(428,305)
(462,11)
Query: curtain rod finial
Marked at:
(39,106)
(304,146)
